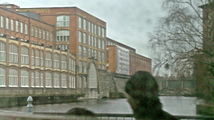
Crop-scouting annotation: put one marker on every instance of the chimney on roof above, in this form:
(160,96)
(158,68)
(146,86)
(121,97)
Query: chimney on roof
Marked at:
(9,6)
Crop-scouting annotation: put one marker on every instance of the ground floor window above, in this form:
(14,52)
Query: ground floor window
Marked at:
(24,78)
(13,78)
(56,80)
(2,77)
(48,79)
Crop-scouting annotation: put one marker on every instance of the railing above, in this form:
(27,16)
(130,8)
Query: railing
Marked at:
(107,116)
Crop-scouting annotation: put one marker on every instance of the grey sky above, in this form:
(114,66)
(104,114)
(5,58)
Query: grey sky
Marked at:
(128,21)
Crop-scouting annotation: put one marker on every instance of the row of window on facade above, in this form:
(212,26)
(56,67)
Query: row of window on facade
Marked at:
(91,40)
(13,25)
(91,27)
(85,52)
(24,78)
(21,27)
(41,33)
(38,57)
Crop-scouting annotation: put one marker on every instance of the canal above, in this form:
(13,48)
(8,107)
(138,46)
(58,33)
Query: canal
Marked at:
(174,105)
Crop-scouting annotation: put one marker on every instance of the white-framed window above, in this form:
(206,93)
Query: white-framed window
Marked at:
(48,79)
(7,23)
(84,24)
(41,58)
(103,44)
(26,29)
(13,53)
(33,79)
(84,52)
(36,32)
(79,22)
(37,79)
(48,60)
(56,61)
(33,57)
(70,62)
(72,82)
(11,24)
(37,57)
(84,38)
(103,32)
(1,21)
(42,79)
(56,80)
(62,21)
(17,26)
(47,36)
(2,77)
(2,51)
(21,27)
(80,67)
(73,65)
(63,35)
(88,26)
(63,62)
(79,36)
(13,78)
(40,33)
(43,34)
(64,80)
(80,51)
(24,55)
(24,78)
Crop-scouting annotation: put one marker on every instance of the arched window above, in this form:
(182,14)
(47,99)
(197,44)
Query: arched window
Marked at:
(24,78)
(62,21)
(2,52)
(2,77)
(63,35)
(13,78)
(24,55)
(13,54)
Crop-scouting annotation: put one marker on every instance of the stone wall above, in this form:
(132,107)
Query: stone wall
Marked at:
(111,84)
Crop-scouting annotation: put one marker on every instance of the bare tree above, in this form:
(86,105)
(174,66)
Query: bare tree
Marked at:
(179,35)
(184,36)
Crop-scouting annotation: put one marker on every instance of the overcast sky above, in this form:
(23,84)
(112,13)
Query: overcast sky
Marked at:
(128,21)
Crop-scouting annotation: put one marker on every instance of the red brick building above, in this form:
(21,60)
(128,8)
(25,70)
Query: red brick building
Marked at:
(28,59)
(123,59)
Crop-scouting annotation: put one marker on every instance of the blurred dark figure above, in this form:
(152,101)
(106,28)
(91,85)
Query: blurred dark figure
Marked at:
(80,112)
(142,90)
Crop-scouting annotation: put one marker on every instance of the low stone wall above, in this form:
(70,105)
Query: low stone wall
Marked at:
(10,97)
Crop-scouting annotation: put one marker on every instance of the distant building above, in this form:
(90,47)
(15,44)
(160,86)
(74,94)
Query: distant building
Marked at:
(139,62)
(123,59)
(118,59)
